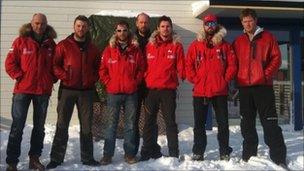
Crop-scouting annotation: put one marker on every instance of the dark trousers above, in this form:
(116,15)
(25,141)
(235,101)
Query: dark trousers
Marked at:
(20,107)
(142,94)
(66,103)
(166,100)
(200,107)
(114,104)
(260,99)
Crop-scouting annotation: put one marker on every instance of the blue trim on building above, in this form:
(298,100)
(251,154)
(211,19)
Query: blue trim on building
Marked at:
(295,42)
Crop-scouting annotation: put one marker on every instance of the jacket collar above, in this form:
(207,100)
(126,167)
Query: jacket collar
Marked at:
(155,38)
(217,37)
(26,31)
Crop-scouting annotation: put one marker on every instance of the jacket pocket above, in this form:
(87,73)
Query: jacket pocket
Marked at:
(220,84)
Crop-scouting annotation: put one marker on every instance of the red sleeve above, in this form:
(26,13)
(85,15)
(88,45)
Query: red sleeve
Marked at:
(104,76)
(275,59)
(12,62)
(58,63)
(190,63)
(231,67)
(181,62)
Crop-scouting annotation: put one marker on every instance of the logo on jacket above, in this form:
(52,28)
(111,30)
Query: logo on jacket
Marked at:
(11,50)
(170,55)
(132,61)
(110,61)
(27,51)
(149,56)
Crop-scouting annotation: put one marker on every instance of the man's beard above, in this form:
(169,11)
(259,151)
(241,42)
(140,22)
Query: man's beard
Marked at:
(122,39)
(143,31)
(210,32)
(80,37)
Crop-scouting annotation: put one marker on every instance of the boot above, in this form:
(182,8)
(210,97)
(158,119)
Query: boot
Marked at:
(130,159)
(35,163)
(198,157)
(11,167)
(106,160)
(91,163)
(52,165)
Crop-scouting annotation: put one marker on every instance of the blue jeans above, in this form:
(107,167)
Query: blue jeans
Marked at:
(20,107)
(114,104)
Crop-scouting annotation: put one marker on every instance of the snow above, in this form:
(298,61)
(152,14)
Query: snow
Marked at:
(293,140)
(122,13)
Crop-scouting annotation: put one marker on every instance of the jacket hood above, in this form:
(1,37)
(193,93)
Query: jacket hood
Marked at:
(175,37)
(26,29)
(217,37)
(132,40)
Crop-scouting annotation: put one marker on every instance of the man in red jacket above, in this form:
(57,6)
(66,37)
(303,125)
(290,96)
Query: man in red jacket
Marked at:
(29,62)
(259,58)
(210,66)
(121,70)
(165,63)
(76,64)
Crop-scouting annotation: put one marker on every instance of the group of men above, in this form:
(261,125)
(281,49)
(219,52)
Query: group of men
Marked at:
(142,68)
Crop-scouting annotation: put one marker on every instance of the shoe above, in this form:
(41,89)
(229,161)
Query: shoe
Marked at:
(106,160)
(225,157)
(35,163)
(181,158)
(145,157)
(52,165)
(130,159)
(198,157)
(11,167)
(283,165)
(91,163)
(156,155)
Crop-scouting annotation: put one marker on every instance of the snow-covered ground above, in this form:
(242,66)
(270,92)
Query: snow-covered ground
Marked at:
(294,142)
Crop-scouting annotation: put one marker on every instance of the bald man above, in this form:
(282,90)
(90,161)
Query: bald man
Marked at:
(29,63)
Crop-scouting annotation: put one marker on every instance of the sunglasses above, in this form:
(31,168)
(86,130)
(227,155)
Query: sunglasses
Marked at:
(124,30)
(211,24)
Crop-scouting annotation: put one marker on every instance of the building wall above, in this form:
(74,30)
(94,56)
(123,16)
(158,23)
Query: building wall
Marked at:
(61,15)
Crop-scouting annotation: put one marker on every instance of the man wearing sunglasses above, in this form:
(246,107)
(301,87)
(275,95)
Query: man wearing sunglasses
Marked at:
(210,65)
(121,70)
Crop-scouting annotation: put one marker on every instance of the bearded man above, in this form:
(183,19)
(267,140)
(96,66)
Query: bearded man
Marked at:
(76,64)
(210,65)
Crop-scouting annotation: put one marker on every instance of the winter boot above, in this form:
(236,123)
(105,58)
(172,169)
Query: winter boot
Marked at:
(11,167)
(130,159)
(52,165)
(35,163)
(106,160)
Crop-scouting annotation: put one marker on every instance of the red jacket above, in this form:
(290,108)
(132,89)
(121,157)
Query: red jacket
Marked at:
(165,62)
(30,63)
(257,63)
(76,68)
(210,69)
(121,72)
